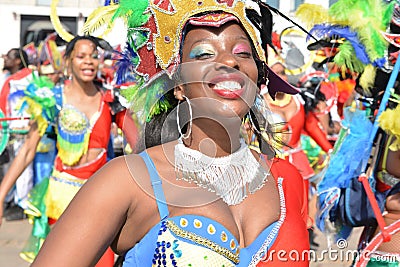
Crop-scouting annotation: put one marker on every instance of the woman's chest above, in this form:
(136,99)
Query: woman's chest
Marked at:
(244,221)
(212,233)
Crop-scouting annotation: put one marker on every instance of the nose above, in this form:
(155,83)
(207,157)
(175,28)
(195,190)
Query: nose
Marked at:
(228,59)
(89,59)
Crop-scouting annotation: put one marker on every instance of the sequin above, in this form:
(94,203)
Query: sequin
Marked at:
(174,228)
(183,222)
(224,237)
(233,244)
(197,223)
(211,229)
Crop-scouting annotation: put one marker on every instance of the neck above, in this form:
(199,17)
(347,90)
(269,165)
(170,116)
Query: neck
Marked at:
(281,100)
(214,139)
(87,88)
(14,70)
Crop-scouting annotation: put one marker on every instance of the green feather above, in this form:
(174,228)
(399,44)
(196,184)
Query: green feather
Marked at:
(133,11)
(42,81)
(368,18)
(146,101)
(345,58)
(156,103)
(341,9)
(388,12)
(130,92)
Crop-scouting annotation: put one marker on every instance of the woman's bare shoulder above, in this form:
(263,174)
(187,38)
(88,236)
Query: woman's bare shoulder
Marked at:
(131,166)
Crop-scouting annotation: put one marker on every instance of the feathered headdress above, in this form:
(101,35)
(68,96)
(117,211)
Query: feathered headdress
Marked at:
(359,24)
(154,33)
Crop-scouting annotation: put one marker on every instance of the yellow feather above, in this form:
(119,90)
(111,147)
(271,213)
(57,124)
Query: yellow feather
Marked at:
(55,20)
(311,14)
(367,79)
(98,18)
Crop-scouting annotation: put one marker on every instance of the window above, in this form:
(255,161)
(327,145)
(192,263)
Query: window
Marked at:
(43,2)
(331,2)
(295,4)
(274,3)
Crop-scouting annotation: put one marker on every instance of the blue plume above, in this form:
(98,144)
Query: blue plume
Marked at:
(337,31)
(126,65)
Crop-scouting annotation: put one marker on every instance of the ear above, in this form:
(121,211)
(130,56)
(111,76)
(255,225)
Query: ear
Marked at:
(68,67)
(18,61)
(179,92)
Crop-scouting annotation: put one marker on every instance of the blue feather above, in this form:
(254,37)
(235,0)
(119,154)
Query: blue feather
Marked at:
(327,30)
(16,95)
(126,65)
(380,62)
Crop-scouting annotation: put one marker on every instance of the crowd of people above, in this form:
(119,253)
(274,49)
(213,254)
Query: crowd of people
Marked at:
(227,150)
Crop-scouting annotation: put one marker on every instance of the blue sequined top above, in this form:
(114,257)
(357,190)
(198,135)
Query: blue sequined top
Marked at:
(193,240)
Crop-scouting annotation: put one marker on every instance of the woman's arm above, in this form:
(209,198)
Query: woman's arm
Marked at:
(125,121)
(392,162)
(313,129)
(24,157)
(92,220)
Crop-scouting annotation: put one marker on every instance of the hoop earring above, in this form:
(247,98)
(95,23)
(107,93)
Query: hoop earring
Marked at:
(253,125)
(189,131)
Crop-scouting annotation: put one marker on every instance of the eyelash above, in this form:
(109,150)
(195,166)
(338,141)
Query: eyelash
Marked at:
(209,55)
(204,55)
(245,53)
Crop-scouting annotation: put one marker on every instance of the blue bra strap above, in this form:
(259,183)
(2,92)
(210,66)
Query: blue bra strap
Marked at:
(156,183)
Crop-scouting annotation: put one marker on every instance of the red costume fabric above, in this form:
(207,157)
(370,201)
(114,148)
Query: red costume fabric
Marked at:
(308,124)
(285,252)
(5,91)
(302,123)
(99,138)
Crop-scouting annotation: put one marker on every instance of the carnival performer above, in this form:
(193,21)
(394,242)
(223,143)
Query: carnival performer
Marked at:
(18,77)
(290,113)
(343,204)
(387,172)
(388,181)
(82,121)
(204,199)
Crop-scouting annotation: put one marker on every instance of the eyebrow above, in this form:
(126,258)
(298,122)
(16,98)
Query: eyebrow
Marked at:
(237,37)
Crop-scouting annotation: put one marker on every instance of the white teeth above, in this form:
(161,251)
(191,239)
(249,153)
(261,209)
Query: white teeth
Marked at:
(88,72)
(228,85)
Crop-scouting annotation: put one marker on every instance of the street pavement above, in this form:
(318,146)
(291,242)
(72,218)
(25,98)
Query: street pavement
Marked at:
(13,236)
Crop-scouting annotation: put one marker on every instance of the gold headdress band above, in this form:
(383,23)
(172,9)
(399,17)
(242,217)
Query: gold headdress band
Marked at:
(171,22)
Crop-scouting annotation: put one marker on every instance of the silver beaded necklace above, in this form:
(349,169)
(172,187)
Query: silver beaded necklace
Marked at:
(231,177)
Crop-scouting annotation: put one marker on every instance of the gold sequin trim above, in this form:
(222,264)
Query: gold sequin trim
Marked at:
(234,257)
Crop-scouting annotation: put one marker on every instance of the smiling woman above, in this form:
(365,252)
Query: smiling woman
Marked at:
(198,196)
